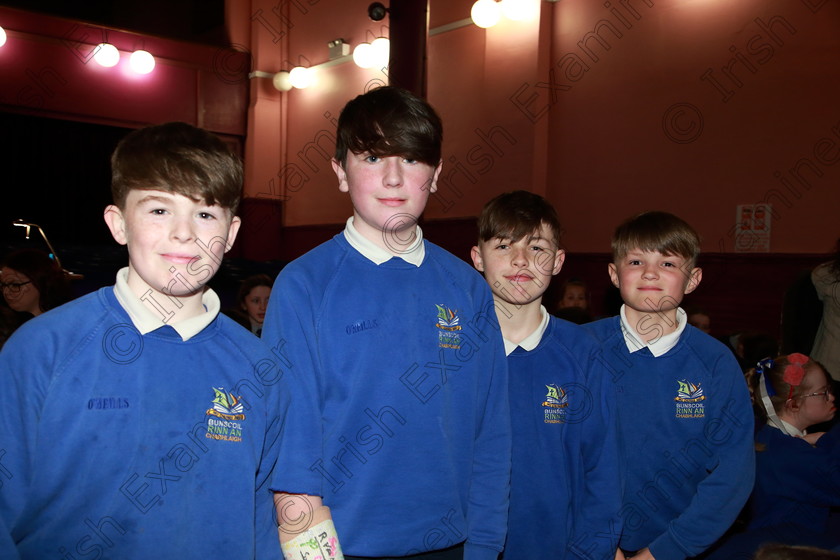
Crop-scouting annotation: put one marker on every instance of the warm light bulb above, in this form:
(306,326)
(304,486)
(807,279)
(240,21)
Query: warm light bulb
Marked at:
(2,36)
(519,10)
(381,48)
(363,55)
(301,77)
(485,13)
(142,62)
(106,55)
(282,81)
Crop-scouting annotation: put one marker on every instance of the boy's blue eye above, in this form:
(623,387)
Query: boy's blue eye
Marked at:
(206,215)
(371,159)
(409,160)
(158,211)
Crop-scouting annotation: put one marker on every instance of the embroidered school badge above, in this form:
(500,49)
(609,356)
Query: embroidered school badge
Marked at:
(224,418)
(448,324)
(689,400)
(555,404)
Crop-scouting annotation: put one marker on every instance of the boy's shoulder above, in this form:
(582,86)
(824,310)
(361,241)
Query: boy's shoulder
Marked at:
(437,255)
(574,337)
(603,329)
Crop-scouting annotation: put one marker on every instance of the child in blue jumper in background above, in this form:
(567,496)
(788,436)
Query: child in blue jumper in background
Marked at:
(685,422)
(797,473)
(565,493)
(399,347)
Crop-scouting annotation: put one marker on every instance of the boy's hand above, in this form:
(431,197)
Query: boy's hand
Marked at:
(619,555)
(644,554)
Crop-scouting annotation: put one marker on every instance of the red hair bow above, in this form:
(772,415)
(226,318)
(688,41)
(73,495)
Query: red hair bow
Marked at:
(794,372)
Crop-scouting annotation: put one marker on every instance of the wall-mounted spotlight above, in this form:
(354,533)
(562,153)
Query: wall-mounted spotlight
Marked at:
(374,54)
(377,11)
(106,55)
(301,77)
(142,62)
(281,81)
(487,13)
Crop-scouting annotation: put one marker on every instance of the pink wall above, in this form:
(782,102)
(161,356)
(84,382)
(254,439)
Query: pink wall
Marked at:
(607,108)
(47,69)
(637,125)
(605,126)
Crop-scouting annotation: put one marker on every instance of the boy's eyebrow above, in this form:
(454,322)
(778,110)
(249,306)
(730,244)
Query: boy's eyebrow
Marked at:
(153,198)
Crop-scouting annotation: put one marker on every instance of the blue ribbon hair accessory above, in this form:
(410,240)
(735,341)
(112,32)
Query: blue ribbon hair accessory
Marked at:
(761,368)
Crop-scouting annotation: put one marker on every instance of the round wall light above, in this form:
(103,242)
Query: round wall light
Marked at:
(485,13)
(106,55)
(142,62)
(301,77)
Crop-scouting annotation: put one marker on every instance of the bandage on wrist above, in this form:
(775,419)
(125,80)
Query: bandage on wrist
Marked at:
(318,542)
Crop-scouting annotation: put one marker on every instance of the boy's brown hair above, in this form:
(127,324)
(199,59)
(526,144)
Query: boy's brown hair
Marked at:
(177,158)
(517,214)
(389,121)
(656,231)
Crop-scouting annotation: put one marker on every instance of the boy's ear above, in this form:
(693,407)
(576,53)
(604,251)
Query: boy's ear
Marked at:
(116,223)
(435,175)
(613,272)
(233,231)
(559,259)
(478,263)
(341,174)
(694,278)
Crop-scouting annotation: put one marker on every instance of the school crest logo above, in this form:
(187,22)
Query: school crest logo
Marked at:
(225,417)
(689,400)
(555,404)
(449,327)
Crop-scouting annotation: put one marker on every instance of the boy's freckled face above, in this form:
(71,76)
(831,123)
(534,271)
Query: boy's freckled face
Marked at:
(175,244)
(652,282)
(519,271)
(388,193)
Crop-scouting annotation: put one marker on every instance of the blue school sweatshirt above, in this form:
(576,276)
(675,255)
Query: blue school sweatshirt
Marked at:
(565,492)
(407,368)
(685,434)
(122,445)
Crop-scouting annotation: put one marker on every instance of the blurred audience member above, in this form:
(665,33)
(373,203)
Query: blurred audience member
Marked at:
(252,301)
(32,282)
(826,278)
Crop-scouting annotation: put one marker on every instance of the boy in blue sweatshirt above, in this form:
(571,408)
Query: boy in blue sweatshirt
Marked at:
(565,492)
(399,347)
(139,422)
(685,419)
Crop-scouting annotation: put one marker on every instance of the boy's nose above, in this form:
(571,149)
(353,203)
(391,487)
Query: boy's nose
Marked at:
(393,172)
(519,257)
(182,230)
